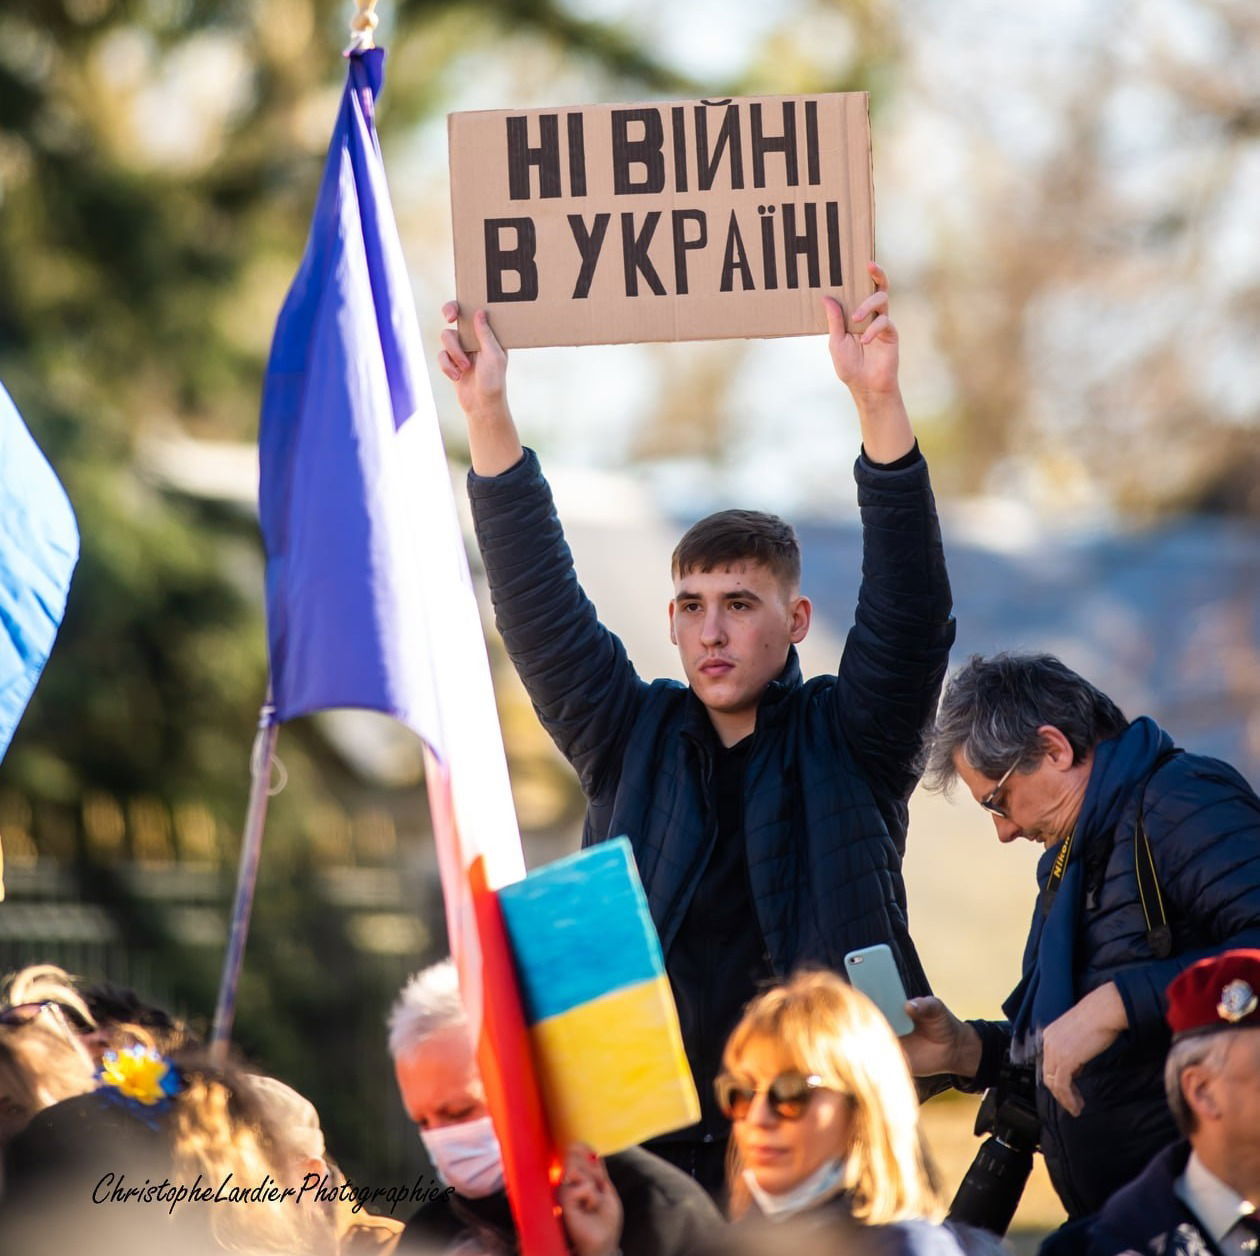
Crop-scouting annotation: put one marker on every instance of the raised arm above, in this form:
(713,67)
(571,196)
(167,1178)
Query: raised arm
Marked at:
(867,362)
(480,381)
(583,687)
(896,654)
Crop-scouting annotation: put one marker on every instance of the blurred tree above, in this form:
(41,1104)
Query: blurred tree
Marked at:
(158,166)
(1093,274)
(158,162)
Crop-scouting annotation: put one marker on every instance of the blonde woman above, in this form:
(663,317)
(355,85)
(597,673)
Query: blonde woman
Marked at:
(825,1122)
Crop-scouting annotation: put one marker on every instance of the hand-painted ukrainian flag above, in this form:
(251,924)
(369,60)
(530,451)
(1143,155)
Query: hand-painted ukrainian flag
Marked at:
(607,1046)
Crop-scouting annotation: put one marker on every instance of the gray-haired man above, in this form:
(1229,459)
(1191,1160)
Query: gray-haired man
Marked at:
(632,1201)
(1152,861)
(1203,1194)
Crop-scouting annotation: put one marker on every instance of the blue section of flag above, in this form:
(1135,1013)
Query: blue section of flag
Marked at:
(580,929)
(344,378)
(39,546)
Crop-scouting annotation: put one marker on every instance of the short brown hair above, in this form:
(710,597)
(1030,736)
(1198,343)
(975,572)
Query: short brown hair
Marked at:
(740,536)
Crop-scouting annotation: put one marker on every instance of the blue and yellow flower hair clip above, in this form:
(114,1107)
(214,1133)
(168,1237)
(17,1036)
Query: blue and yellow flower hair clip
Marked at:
(139,1078)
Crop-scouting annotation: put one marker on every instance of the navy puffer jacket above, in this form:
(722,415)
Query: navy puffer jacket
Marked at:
(833,760)
(1203,822)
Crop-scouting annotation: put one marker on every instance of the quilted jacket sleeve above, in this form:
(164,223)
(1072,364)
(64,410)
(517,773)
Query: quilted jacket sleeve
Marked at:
(995,1046)
(895,657)
(583,686)
(1203,820)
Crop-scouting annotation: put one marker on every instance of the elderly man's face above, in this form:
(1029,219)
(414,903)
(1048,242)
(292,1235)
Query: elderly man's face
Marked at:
(1235,1093)
(439,1082)
(1042,804)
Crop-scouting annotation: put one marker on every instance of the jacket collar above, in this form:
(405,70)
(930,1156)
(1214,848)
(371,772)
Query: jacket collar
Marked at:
(490,1218)
(1148,1208)
(699,728)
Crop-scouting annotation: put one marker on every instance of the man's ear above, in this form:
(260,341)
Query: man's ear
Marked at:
(1056,747)
(1197,1087)
(673,636)
(802,616)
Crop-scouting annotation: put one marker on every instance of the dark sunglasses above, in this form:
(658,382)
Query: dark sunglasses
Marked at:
(24,1013)
(788,1095)
(989,803)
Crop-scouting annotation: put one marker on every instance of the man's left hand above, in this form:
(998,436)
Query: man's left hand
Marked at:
(1080,1034)
(867,359)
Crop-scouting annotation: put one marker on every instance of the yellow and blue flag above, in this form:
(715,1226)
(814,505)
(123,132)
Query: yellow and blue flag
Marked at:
(607,1045)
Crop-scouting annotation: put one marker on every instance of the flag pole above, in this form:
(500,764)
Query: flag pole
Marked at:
(246,878)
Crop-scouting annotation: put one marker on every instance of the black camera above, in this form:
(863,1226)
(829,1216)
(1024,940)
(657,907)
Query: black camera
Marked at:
(990,1192)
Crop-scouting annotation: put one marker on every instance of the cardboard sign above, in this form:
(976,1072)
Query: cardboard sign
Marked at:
(694,220)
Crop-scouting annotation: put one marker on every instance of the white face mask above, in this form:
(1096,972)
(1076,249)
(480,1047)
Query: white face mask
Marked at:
(466,1156)
(818,1186)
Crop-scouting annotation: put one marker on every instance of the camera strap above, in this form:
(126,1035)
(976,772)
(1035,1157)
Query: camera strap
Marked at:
(1158,930)
(1055,880)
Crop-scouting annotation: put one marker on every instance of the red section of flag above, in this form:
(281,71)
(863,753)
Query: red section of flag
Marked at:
(507,1072)
(480,948)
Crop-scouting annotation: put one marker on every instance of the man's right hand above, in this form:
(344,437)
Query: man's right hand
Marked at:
(940,1042)
(480,379)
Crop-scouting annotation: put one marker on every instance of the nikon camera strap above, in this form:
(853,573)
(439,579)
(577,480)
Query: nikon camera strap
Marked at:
(1158,933)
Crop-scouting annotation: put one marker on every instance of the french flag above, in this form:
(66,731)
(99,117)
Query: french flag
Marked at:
(369,599)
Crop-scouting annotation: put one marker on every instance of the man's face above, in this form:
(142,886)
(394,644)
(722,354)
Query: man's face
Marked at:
(733,627)
(439,1082)
(1234,1093)
(1041,805)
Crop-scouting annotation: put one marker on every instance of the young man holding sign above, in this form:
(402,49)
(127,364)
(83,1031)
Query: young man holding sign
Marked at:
(767,813)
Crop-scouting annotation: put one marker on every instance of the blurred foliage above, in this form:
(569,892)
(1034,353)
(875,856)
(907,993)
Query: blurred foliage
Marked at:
(158,164)
(146,238)
(1092,274)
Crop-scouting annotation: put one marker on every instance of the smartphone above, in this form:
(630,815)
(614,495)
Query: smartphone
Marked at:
(874,971)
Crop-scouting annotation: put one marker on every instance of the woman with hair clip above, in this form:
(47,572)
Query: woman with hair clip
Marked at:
(80,1169)
(825,1125)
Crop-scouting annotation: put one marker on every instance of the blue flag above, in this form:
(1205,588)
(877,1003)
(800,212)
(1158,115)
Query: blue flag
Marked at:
(337,501)
(39,546)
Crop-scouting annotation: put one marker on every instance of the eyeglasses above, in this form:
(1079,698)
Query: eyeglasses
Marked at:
(788,1095)
(24,1013)
(988,803)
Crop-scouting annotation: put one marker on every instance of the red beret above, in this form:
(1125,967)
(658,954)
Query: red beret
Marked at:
(1221,992)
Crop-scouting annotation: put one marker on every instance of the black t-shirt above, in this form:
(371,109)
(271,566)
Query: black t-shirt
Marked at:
(718,958)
